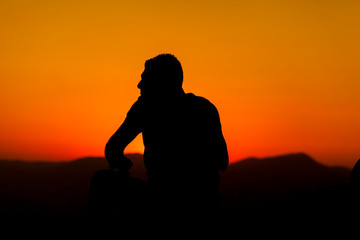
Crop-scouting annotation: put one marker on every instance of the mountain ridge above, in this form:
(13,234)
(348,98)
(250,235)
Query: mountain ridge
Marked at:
(256,180)
(62,187)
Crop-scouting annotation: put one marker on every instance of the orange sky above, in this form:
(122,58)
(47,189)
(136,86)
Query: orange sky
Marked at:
(284,75)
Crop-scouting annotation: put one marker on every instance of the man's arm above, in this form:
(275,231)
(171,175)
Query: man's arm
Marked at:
(114,149)
(223,154)
(219,147)
(131,127)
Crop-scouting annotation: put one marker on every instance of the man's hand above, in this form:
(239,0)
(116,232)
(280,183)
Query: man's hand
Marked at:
(120,164)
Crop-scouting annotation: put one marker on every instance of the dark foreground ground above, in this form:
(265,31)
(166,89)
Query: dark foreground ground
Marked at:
(288,190)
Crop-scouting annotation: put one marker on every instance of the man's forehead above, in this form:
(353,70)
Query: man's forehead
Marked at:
(146,72)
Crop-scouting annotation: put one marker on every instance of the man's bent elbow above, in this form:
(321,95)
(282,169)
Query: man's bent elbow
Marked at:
(111,150)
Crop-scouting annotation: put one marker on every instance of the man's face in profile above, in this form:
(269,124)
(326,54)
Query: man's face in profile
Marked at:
(143,85)
(149,85)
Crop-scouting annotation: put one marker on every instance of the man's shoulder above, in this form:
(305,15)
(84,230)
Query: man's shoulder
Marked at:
(198,99)
(200,102)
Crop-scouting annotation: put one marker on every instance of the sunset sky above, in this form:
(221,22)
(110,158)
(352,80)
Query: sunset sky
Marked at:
(284,75)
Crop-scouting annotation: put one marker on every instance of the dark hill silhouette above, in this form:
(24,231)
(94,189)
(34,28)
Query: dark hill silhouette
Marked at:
(292,188)
(44,188)
(47,188)
(253,181)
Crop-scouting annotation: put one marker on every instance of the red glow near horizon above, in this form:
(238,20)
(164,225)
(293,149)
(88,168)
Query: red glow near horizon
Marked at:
(284,77)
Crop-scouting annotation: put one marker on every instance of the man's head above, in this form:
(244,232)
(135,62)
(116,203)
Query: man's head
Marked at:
(162,76)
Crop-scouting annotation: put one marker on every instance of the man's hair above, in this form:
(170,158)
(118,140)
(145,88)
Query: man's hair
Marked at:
(166,67)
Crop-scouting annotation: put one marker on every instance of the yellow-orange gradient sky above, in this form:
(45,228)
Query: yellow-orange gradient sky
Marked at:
(284,75)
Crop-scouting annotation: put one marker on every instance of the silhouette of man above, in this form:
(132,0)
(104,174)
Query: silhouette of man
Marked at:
(184,144)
